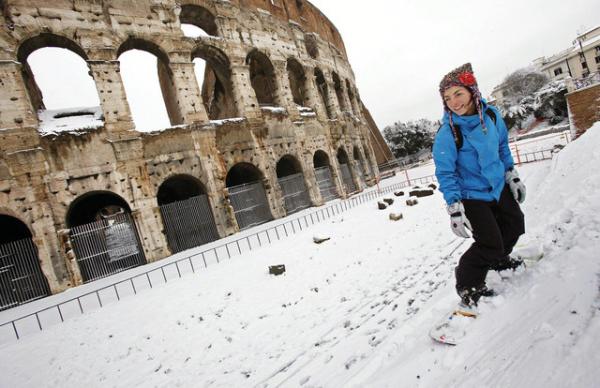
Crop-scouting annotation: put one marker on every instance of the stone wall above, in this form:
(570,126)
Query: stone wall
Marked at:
(44,178)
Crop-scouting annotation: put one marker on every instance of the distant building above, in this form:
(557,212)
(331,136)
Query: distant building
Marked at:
(578,61)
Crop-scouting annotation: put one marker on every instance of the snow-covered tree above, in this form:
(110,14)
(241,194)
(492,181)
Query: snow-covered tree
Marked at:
(409,138)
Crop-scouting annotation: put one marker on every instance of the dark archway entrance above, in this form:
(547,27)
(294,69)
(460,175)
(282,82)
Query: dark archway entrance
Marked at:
(21,278)
(103,235)
(324,176)
(344,163)
(291,181)
(186,213)
(247,195)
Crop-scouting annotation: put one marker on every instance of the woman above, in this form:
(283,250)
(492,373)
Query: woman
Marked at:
(476,174)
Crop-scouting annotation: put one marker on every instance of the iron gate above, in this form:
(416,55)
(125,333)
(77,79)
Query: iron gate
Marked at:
(106,247)
(347,178)
(250,204)
(21,278)
(325,183)
(189,223)
(295,195)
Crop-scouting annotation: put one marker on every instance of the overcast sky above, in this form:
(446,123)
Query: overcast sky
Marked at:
(399,50)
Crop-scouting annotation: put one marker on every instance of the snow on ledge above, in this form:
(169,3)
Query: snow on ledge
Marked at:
(273,109)
(75,121)
(227,121)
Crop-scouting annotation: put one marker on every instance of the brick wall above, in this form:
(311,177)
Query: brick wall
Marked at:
(584,106)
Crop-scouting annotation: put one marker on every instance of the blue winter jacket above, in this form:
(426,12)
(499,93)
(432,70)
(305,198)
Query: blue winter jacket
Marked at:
(476,171)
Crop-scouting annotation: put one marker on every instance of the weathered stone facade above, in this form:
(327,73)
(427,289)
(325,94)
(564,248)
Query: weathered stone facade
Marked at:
(286,54)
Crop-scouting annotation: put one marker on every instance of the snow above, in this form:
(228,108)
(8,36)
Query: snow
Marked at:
(226,121)
(273,109)
(75,121)
(355,310)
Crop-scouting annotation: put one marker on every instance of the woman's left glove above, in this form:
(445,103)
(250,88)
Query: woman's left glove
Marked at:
(515,184)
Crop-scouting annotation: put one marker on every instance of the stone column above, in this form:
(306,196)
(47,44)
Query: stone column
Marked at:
(314,96)
(284,92)
(186,92)
(310,180)
(245,97)
(332,97)
(16,110)
(113,101)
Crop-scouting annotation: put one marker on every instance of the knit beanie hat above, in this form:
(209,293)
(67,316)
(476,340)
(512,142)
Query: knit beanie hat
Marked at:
(462,76)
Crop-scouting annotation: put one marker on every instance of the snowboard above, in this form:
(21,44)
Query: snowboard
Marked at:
(452,328)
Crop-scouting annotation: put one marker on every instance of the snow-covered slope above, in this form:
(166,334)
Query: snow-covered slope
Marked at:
(356,309)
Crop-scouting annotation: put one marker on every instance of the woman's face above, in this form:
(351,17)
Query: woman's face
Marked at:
(459,100)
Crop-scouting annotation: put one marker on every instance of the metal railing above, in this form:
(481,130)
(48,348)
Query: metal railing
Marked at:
(15,329)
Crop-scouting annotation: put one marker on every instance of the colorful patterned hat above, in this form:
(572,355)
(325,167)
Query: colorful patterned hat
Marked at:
(462,76)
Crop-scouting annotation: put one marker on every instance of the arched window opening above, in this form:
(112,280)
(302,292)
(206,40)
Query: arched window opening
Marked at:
(103,235)
(186,213)
(297,79)
(339,92)
(345,168)
(262,78)
(21,277)
(364,166)
(143,90)
(288,165)
(199,17)
(179,188)
(95,206)
(312,45)
(247,195)
(324,176)
(291,182)
(59,83)
(351,97)
(323,91)
(213,74)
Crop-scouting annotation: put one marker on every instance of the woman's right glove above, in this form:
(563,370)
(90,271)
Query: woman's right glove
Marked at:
(458,220)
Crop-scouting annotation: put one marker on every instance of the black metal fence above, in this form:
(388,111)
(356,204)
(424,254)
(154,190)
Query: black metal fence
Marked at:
(106,247)
(111,293)
(295,194)
(250,204)
(21,278)
(326,183)
(189,223)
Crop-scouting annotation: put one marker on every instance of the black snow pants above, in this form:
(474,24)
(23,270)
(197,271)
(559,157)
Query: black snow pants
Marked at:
(497,226)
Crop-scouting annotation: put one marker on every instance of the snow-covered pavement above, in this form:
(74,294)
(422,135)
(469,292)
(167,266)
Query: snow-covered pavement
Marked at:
(355,310)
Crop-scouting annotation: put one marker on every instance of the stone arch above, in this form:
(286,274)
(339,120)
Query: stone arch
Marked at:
(321,159)
(247,195)
(40,41)
(292,183)
(242,173)
(323,91)
(200,17)
(103,235)
(342,155)
(262,77)
(165,74)
(21,278)
(179,188)
(288,165)
(297,77)
(94,206)
(339,91)
(324,175)
(217,89)
(186,213)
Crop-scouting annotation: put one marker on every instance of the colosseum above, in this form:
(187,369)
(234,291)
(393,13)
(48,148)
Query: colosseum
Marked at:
(276,126)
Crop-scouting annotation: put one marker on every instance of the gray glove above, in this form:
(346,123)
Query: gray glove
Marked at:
(515,184)
(458,220)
